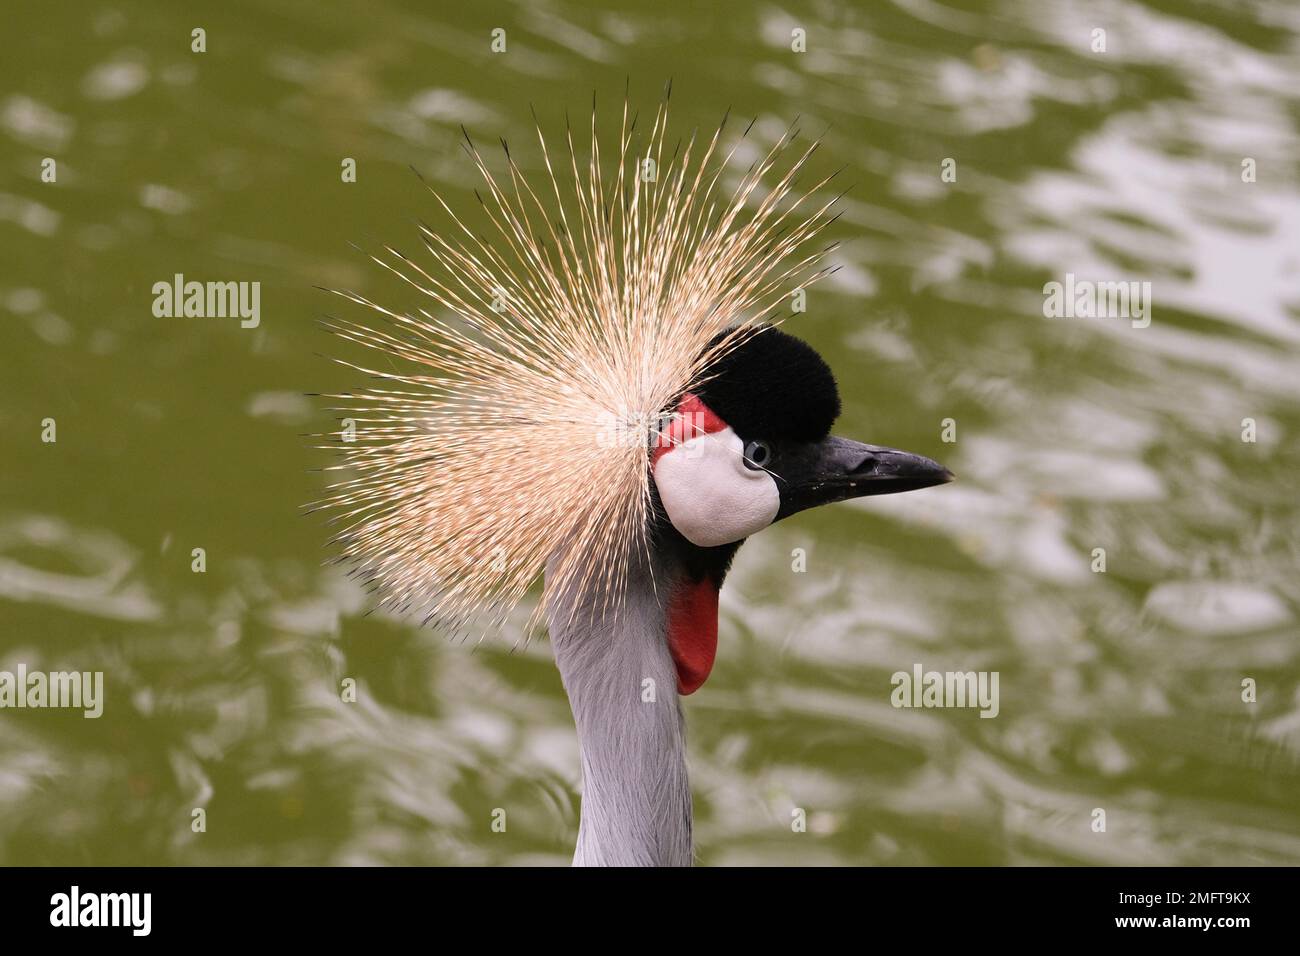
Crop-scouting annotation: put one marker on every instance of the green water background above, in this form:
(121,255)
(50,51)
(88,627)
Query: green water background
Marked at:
(1120,691)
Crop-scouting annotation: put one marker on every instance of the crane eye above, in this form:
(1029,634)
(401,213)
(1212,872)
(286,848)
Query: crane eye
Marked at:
(757,454)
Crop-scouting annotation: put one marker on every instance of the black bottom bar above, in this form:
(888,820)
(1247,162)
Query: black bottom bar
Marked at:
(441,905)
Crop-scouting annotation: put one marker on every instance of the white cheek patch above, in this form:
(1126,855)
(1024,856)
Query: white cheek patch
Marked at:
(712,497)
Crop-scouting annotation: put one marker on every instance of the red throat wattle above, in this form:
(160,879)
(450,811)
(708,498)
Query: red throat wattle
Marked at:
(693,608)
(693,632)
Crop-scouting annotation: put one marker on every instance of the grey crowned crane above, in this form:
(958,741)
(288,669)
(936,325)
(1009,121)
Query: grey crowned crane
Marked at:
(601,403)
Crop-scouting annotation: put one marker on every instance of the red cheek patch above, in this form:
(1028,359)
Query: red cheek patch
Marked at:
(692,419)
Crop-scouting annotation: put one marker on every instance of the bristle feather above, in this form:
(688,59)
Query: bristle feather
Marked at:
(597,302)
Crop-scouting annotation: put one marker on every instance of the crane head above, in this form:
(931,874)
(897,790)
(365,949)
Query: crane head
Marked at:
(751,445)
(748,445)
(538,343)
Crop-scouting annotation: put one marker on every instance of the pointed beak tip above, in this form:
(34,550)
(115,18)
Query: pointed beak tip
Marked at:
(934,477)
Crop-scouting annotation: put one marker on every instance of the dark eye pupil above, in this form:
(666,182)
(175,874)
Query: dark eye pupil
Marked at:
(756,454)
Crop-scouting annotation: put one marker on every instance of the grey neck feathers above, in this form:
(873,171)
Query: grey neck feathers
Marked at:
(636,801)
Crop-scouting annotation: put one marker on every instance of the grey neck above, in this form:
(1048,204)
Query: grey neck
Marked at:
(622,686)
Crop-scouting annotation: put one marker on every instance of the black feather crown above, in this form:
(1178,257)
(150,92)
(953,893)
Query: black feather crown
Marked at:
(773,386)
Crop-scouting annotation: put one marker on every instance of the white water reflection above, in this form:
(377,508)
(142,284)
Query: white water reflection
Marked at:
(98,586)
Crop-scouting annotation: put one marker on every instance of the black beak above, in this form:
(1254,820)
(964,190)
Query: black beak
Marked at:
(836,469)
